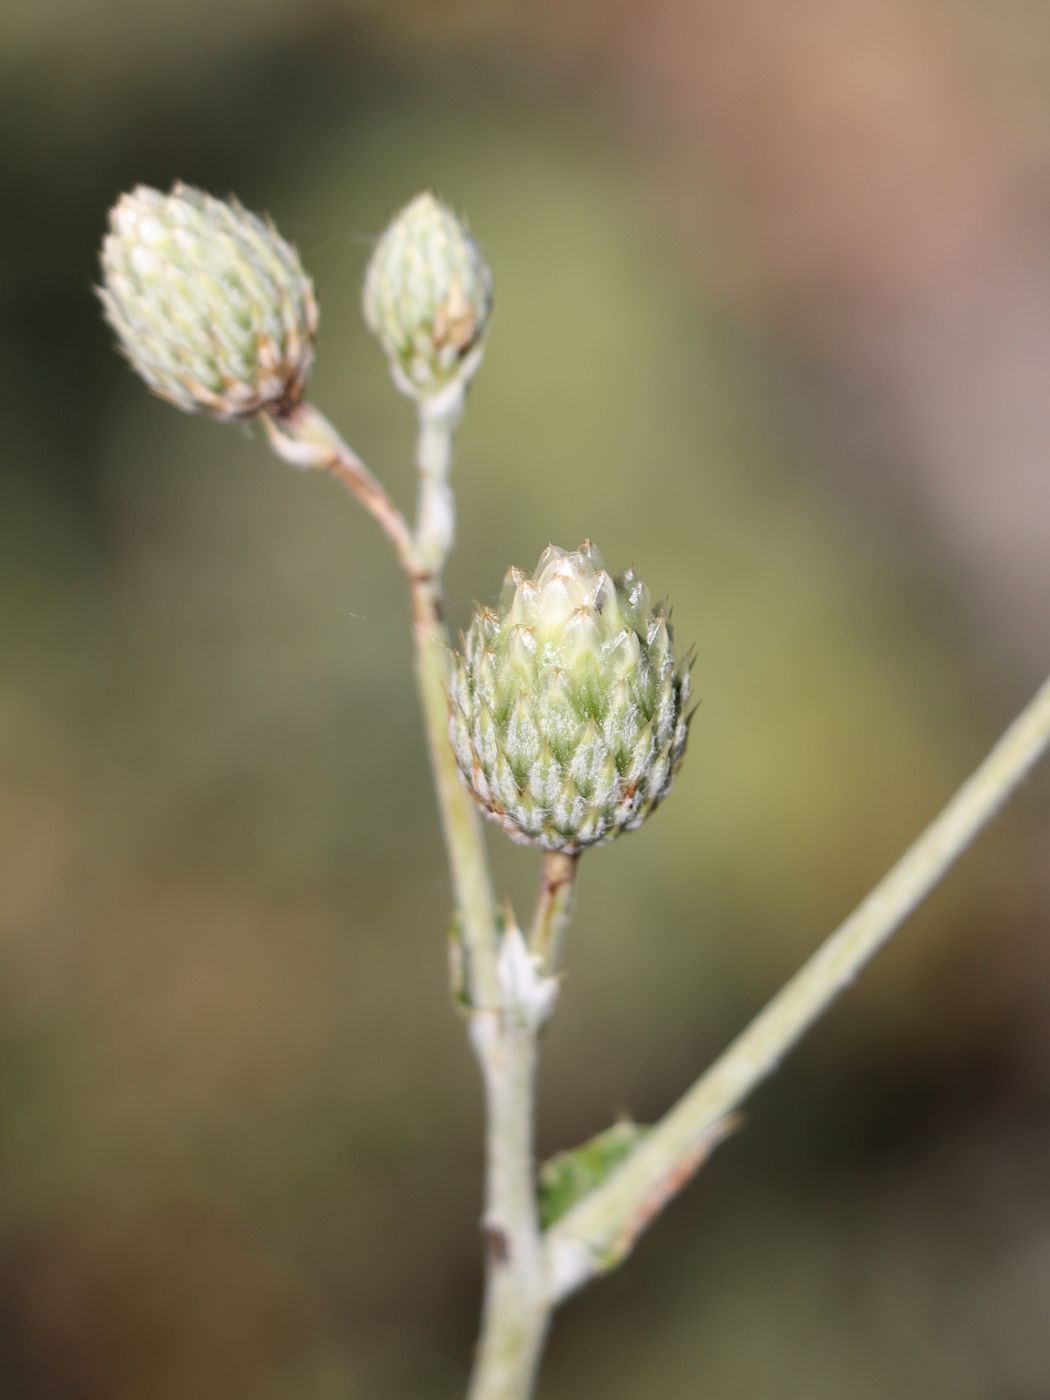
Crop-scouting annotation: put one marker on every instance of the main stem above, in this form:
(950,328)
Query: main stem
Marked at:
(459,818)
(517,1308)
(598,1232)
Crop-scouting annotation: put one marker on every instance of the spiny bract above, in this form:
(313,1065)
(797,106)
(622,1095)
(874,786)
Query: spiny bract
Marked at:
(212,307)
(428,297)
(568,712)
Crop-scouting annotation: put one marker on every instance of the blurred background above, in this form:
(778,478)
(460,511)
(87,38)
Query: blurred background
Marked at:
(774,325)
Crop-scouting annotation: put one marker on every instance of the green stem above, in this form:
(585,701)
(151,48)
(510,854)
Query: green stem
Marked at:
(517,1306)
(601,1230)
(435,527)
(464,839)
(554,908)
(304,437)
(459,818)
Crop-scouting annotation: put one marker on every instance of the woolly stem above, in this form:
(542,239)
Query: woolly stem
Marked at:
(517,1308)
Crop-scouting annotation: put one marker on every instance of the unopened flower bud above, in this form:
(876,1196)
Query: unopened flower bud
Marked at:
(428,298)
(568,710)
(212,307)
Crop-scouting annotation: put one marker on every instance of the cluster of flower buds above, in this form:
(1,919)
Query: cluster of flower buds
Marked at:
(213,309)
(568,708)
(569,713)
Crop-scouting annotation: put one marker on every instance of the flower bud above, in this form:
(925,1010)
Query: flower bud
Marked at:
(568,711)
(211,306)
(428,298)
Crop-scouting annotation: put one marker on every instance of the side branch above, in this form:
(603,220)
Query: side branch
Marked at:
(599,1232)
(304,437)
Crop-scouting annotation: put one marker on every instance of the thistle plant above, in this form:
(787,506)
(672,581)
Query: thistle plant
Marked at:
(563,715)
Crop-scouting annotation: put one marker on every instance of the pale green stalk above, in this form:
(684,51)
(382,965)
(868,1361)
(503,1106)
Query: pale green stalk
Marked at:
(435,527)
(436,523)
(596,1234)
(517,1307)
(554,907)
(459,816)
(306,438)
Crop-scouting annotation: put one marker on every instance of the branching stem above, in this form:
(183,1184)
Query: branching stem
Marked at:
(527,1275)
(304,437)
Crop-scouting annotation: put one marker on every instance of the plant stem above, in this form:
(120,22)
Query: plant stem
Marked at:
(517,1308)
(554,908)
(304,437)
(459,818)
(436,522)
(602,1228)
(464,840)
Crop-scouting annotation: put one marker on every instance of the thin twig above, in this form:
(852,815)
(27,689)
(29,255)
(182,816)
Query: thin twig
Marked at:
(598,1232)
(553,908)
(304,437)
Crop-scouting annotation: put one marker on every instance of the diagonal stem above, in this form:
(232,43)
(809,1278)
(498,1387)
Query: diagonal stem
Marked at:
(303,436)
(601,1229)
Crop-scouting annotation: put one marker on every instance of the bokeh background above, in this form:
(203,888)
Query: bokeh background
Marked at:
(774,324)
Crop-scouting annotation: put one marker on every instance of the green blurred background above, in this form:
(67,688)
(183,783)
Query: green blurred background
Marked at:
(773,324)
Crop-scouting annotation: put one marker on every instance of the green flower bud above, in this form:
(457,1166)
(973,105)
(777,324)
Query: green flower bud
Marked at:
(212,307)
(568,711)
(428,298)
